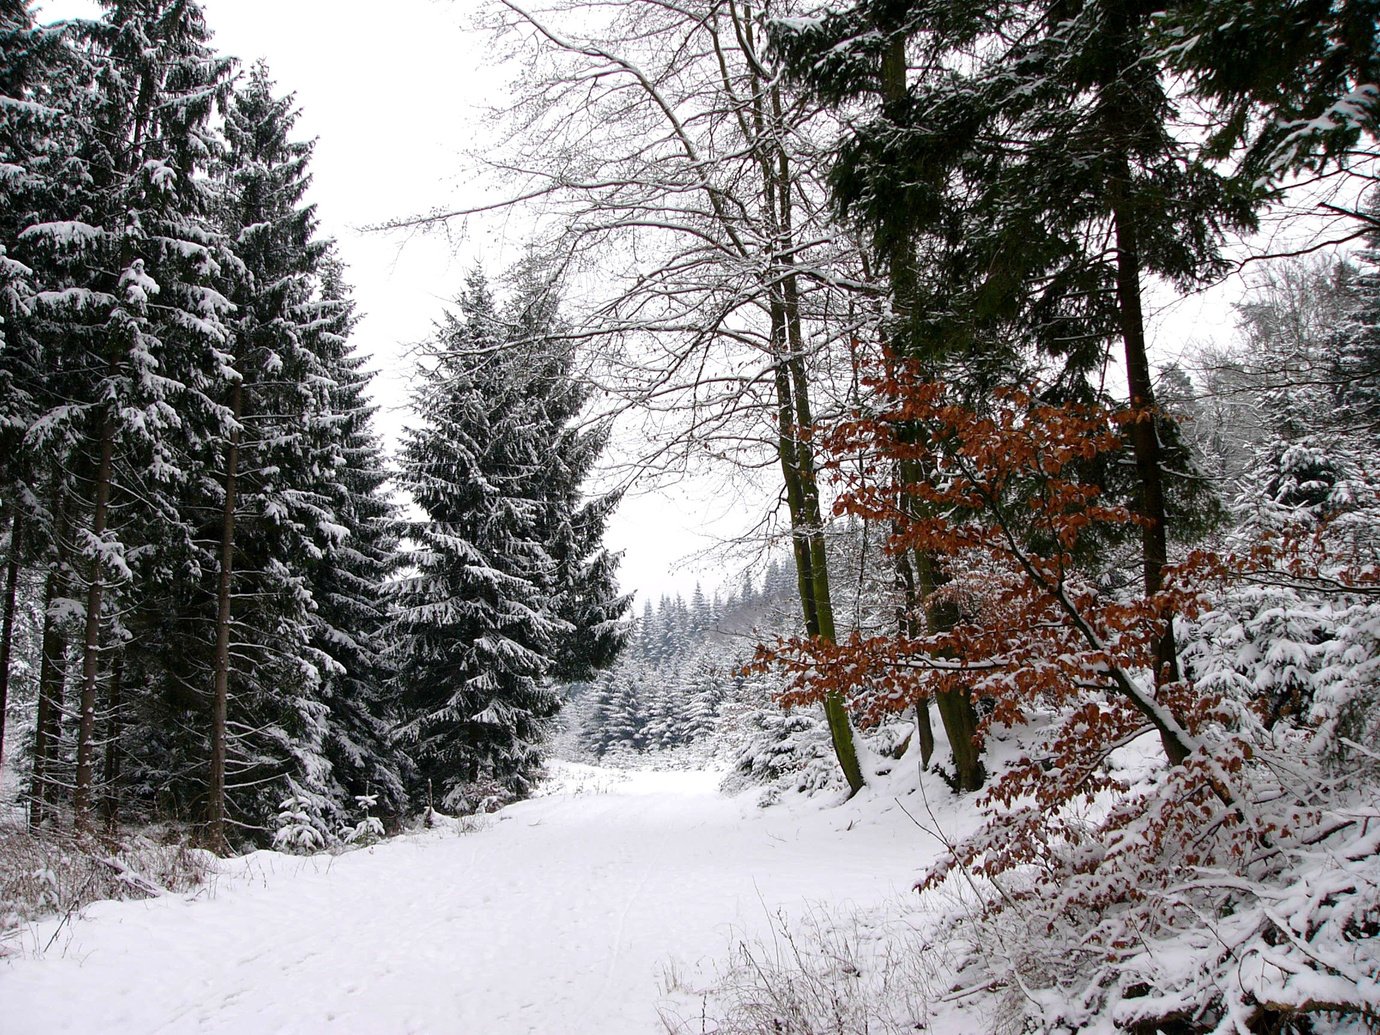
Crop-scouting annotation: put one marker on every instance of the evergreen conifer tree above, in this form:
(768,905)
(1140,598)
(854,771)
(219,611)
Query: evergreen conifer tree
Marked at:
(1358,347)
(349,582)
(506,569)
(129,307)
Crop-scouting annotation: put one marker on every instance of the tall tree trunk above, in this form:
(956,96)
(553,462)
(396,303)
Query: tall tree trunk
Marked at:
(955,707)
(91,644)
(7,626)
(812,573)
(110,800)
(908,626)
(817,582)
(793,412)
(1145,439)
(1117,107)
(52,677)
(215,801)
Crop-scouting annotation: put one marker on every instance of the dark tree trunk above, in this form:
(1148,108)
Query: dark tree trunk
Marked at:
(52,679)
(955,707)
(1145,442)
(812,575)
(794,426)
(925,729)
(215,804)
(110,801)
(908,625)
(91,643)
(1119,106)
(7,626)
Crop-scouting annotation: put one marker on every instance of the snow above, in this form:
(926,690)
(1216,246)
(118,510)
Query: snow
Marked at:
(565,913)
(66,233)
(138,286)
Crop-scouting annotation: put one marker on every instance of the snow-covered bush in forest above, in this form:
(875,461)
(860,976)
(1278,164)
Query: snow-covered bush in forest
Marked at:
(369,829)
(56,874)
(300,828)
(478,797)
(1240,890)
(1193,847)
(844,974)
(784,751)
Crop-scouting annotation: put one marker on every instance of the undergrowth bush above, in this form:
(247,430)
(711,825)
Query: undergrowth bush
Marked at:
(824,975)
(59,875)
(784,752)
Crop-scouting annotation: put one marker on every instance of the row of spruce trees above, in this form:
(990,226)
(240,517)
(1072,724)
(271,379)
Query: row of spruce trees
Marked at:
(208,587)
(680,678)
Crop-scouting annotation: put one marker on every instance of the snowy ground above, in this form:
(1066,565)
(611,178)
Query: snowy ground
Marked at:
(570,913)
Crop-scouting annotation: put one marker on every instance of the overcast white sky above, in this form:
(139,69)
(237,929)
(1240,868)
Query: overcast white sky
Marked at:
(394,93)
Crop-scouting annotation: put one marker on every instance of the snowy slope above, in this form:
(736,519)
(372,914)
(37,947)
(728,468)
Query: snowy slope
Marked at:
(563,915)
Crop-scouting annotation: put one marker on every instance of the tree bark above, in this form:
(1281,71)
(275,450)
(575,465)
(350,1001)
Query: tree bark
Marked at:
(955,707)
(794,419)
(1118,105)
(907,627)
(52,677)
(7,626)
(91,644)
(1145,439)
(215,799)
(924,728)
(811,568)
(110,799)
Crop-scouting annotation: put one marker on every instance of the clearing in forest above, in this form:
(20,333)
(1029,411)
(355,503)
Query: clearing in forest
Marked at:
(574,912)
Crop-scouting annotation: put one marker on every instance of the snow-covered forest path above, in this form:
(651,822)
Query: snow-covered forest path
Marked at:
(565,914)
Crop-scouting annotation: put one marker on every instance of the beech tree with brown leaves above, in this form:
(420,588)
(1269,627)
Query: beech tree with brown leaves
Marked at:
(1106,858)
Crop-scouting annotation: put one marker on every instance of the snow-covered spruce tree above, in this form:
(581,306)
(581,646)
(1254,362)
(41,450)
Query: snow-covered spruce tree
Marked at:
(594,734)
(584,583)
(44,195)
(34,74)
(127,306)
(279,646)
(1306,367)
(506,562)
(621,717)
(218,461)
(1358,339)
(262,512)
(679,677)
(349,581)
(1309,361)
(661,707)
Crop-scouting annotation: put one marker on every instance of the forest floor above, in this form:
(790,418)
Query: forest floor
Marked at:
(603,906)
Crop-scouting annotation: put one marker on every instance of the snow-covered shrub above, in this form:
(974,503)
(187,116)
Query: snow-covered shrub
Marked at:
(1228,881)
(1237,892)
(369,829)
(1270,943)
(844,974)
(299,826)
(481,796)
(784,751)
(55,874)
(620,757)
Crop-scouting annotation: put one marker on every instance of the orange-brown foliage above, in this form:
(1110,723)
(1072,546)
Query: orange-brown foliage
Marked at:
(1005,505)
